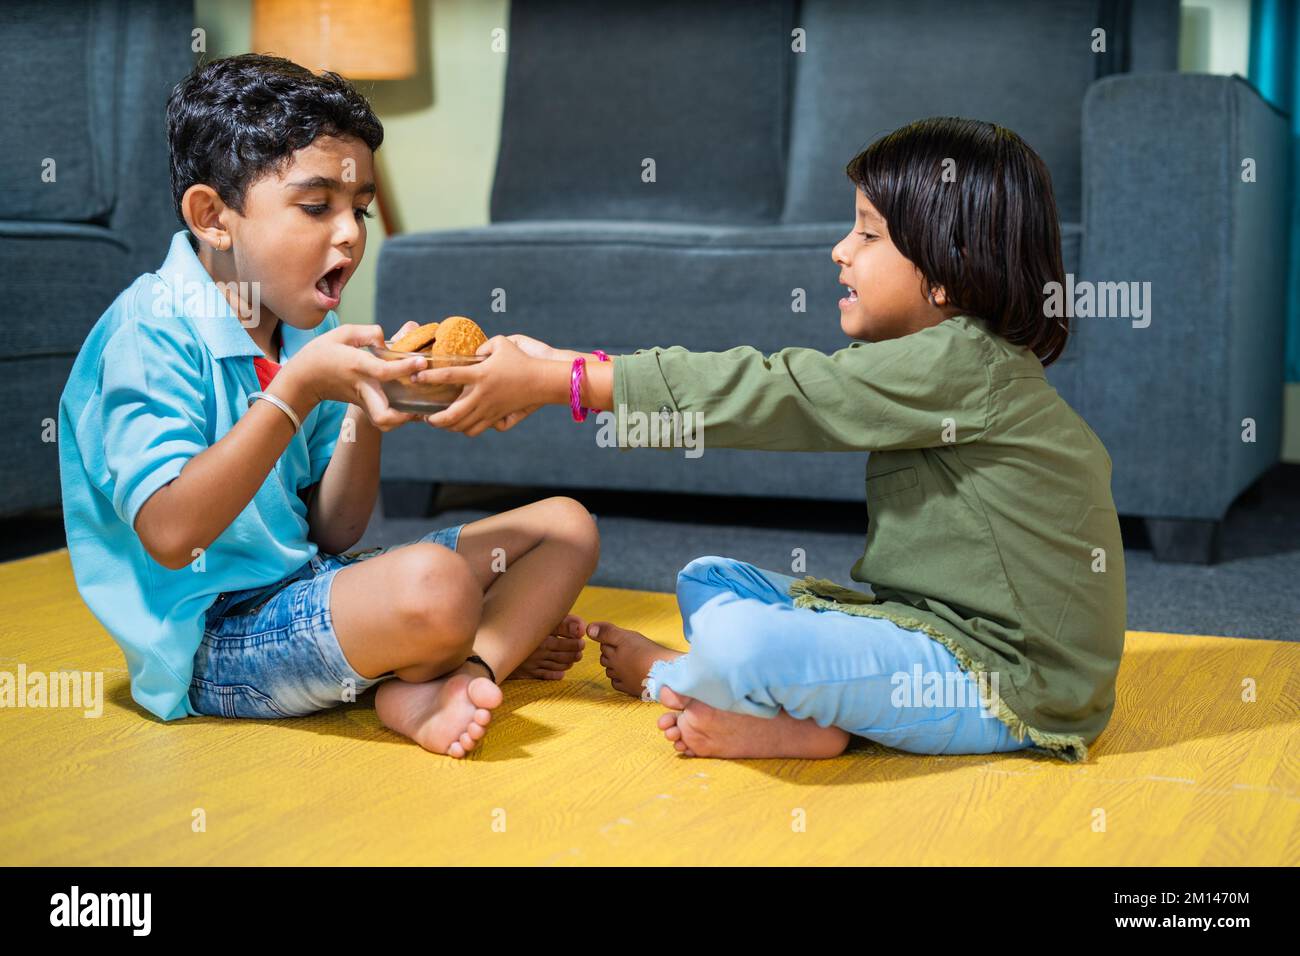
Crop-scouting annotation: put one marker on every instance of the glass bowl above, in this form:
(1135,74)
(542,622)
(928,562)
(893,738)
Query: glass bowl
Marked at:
(426,398)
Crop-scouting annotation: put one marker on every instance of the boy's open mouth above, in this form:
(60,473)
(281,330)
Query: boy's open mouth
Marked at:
(330,285)
(851,297)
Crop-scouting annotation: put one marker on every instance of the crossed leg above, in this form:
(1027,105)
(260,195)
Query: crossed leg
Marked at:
(421,610)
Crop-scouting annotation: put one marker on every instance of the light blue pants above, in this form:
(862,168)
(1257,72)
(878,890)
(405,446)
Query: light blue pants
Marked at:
(753,652)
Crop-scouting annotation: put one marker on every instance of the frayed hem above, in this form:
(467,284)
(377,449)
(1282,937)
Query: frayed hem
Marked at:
(813,593)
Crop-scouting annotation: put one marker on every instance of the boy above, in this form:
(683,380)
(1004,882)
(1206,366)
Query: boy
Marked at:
(220,436)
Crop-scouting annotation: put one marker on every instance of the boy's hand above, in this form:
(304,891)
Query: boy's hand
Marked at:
(333,367)
(531,346)
(377,400)
(499,391)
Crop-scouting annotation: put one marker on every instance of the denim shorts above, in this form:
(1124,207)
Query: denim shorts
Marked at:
(272,652)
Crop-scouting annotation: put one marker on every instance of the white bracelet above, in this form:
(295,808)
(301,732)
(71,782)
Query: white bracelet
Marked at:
(280,404)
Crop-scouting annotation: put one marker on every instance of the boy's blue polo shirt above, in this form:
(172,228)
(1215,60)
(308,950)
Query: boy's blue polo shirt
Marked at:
(165,373)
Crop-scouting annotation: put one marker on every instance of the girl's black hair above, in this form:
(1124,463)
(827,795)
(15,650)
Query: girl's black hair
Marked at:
(971,205)
(235,119)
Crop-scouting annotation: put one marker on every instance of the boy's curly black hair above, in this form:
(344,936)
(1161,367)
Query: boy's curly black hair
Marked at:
(988,233)
(236,119)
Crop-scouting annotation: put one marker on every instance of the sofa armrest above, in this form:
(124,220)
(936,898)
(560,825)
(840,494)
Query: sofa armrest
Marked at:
(1165,203)
(156,55)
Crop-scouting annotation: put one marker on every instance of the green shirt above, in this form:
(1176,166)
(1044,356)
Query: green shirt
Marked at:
(992,528)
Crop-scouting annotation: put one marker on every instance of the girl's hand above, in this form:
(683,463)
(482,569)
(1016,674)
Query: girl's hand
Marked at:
(537,349)
(333,367)
(500,391)
(514,418)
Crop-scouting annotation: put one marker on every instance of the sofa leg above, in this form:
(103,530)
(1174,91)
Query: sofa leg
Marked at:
(409,499)
(1185,540)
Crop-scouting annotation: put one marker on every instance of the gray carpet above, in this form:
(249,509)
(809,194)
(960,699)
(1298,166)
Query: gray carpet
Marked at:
(1253,592)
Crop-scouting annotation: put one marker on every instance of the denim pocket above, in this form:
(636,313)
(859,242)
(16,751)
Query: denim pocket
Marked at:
(256,601)
(232,700)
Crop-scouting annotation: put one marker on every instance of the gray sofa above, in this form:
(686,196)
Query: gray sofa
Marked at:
(86,85)
(750,139)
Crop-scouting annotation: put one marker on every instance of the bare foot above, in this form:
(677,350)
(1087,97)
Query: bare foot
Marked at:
(704,731)
(448,716)
(627,655)
(559,651)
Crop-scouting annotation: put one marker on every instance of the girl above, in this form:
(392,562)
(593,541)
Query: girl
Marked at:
(993,550)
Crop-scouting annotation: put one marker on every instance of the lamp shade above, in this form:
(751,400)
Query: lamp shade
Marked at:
(361,39)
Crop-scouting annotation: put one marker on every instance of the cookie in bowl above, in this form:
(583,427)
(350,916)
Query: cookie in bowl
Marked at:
(454,335)
(453,341)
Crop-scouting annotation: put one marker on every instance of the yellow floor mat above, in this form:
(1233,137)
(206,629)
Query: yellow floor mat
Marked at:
(574,773)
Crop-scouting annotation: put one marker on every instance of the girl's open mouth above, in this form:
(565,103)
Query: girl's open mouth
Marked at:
(330,286)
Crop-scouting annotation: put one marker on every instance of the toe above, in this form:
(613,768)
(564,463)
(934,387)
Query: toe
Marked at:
(483,717)
(557,644)
(670,698)
(484,694)
(455,750)
(475,731)
(467,741)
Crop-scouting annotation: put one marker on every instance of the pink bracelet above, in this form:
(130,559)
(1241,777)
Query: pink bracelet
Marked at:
(575,386)
(575,389)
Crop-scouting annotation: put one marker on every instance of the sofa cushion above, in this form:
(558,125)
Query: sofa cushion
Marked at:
(873,67)
(621,285)
(59,66)
(590,95)
(549,449)
(59,278)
